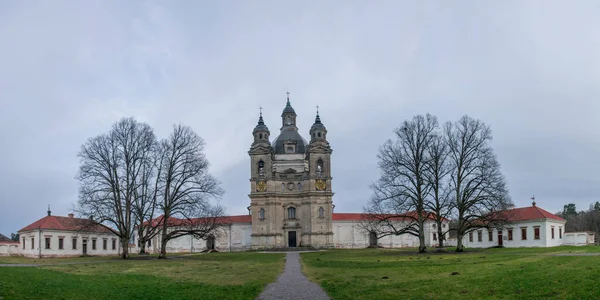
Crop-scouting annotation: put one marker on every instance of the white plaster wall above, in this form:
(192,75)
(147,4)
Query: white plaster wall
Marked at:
(7,249)
(544,241)
(579,238)
(39,246)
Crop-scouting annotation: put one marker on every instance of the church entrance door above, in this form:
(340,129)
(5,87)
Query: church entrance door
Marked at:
(291,239)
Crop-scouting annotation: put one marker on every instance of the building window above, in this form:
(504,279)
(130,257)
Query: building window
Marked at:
(479,236)
(490,236)
(560,232)
(114,244)
(93,244)
(434,236)
(47,243)
(552,231)
(536,233)
(299,186)
(23,243)
(61,242)
(104,244)
(443,225)
(282,187)
(32,243)
(433,225)
(261,214)
(74,241)
(291,213)
(510,234)
(321,212)
(523,233)
(149,243)
(471,236)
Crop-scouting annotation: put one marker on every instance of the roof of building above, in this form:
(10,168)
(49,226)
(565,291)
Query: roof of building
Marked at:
(66,223)
(530,213)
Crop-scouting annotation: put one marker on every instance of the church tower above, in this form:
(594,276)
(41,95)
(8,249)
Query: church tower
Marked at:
(290,197)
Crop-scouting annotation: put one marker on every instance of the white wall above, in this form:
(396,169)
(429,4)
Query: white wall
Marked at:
(39,243)
(579,238)
(9,248)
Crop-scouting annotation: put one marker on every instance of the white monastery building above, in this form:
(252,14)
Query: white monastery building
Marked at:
(54,236)
(525,227)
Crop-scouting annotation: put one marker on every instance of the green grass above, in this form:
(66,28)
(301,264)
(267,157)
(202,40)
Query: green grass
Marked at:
(206,276)
(27,260)
(522,273)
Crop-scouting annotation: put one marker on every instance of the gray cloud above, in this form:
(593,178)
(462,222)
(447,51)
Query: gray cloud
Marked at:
(71,69)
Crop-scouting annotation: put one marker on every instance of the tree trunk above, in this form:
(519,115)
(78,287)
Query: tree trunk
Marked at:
(163,239)
(125,246)
(422,246)
(440,235)
(459,243)
(142,242)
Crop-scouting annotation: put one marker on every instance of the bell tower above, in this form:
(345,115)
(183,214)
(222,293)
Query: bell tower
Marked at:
(319,161)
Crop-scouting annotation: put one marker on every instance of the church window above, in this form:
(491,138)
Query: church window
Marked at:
(291,213)
(61,243)
(32,243)
(471,236)
(523,233)
(149,243)
(93,244)
(536,233)
(479,236)
(283,187)
(260,136)
(434,236)
(289,149)
(23,243)
(299,186)
(74,243)
(319,134)
(47,243)
(114,244)
(490,236)
(104,244)
(510,234)
(321,212)
(552,231)
(261,214)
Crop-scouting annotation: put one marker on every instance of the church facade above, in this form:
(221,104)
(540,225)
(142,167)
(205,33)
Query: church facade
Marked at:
(290,185)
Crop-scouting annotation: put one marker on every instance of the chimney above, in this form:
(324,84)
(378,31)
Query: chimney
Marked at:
(71,215)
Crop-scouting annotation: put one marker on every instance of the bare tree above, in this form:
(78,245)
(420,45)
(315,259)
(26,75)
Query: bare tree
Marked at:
(109,173)
(400,192)
(478,187)
(186,187)
(438,201)
(145,198)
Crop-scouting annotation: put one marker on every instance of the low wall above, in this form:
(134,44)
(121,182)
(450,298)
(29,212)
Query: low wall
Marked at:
(579,238)
(9,248)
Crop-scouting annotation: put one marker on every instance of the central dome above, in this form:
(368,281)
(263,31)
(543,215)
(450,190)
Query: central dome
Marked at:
(289,142)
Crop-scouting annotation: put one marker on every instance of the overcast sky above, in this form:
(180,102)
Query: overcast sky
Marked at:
(70,69)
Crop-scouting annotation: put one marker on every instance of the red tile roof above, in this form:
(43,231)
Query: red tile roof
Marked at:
(530,213)
(6,240)
(66,223)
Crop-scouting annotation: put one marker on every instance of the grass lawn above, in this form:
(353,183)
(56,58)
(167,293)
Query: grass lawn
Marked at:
(204,276)
(522,273)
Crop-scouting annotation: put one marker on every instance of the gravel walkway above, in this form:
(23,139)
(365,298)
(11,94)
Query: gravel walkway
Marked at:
(292,284)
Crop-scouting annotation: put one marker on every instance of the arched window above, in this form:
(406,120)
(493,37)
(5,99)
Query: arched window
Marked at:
(260,136)
(261,214)
(299,186)
(291,213)
(321,212)
(319,134)
(320,166)
(283,187)
(261,167)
